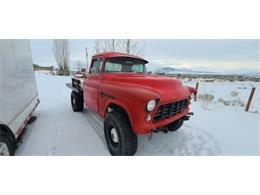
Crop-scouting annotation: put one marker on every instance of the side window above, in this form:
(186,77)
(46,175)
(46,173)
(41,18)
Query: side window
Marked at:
(95,68)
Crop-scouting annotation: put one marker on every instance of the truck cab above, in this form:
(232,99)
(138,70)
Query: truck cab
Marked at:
(103,65)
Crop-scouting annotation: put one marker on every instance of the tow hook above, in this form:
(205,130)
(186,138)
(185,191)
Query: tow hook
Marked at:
(150,136)
(163,129)
(187,117)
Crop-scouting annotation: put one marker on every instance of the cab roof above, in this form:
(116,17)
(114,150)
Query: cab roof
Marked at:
(117,54)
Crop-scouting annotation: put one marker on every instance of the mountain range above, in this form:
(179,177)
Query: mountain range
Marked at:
(170,70)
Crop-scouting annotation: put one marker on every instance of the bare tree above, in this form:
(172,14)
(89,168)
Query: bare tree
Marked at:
(79,65)
(127,44)
(131,46)
(113,44)
(105,45)
(62,54)
(98,46)
(86,57)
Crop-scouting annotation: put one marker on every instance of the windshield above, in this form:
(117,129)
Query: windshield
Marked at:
(124,65)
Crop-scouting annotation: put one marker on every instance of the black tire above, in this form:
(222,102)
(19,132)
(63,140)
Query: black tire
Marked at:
(174,126)
(127,140)
(77,101)
(5,139)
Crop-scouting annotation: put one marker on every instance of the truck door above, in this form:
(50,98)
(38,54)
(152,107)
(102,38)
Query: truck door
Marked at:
(91,85)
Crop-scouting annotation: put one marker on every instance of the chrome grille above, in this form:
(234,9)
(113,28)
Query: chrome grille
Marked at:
(168,110)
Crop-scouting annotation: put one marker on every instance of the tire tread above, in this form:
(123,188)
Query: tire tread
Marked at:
(129,138)
(79,103)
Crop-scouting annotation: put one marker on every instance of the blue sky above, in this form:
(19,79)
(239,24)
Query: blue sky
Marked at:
(228,55)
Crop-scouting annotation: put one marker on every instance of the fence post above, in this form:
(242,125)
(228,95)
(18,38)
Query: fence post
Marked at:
(195,94)
(250,99)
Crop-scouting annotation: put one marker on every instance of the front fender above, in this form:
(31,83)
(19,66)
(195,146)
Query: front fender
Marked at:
(131,98)
(120,104)
(192,90)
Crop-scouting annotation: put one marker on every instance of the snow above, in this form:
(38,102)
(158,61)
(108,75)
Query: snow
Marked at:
(58,130)
(215,129)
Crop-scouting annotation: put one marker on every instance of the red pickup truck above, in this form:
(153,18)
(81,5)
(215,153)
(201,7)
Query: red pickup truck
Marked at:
(131,101)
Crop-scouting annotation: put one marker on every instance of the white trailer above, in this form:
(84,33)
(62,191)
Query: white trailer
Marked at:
(18,92)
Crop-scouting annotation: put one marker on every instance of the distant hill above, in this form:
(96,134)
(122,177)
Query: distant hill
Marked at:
(170,70)
(253,74)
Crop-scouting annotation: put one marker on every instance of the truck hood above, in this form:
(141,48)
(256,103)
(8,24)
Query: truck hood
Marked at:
(168,89)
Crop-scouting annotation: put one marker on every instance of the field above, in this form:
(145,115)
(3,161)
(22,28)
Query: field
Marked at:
(220,126)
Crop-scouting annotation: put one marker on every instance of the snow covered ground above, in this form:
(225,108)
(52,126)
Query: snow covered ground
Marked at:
(220,125)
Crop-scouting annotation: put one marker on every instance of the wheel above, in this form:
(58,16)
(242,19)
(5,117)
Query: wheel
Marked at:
(76,102)
(121,140)
(6,146)
(174,126)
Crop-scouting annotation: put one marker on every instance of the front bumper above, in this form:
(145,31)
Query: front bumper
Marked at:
(147,127)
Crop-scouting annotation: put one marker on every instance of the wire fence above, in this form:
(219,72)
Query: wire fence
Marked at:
(212,93)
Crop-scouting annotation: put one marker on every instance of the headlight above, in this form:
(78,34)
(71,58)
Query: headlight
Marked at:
(151,105)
